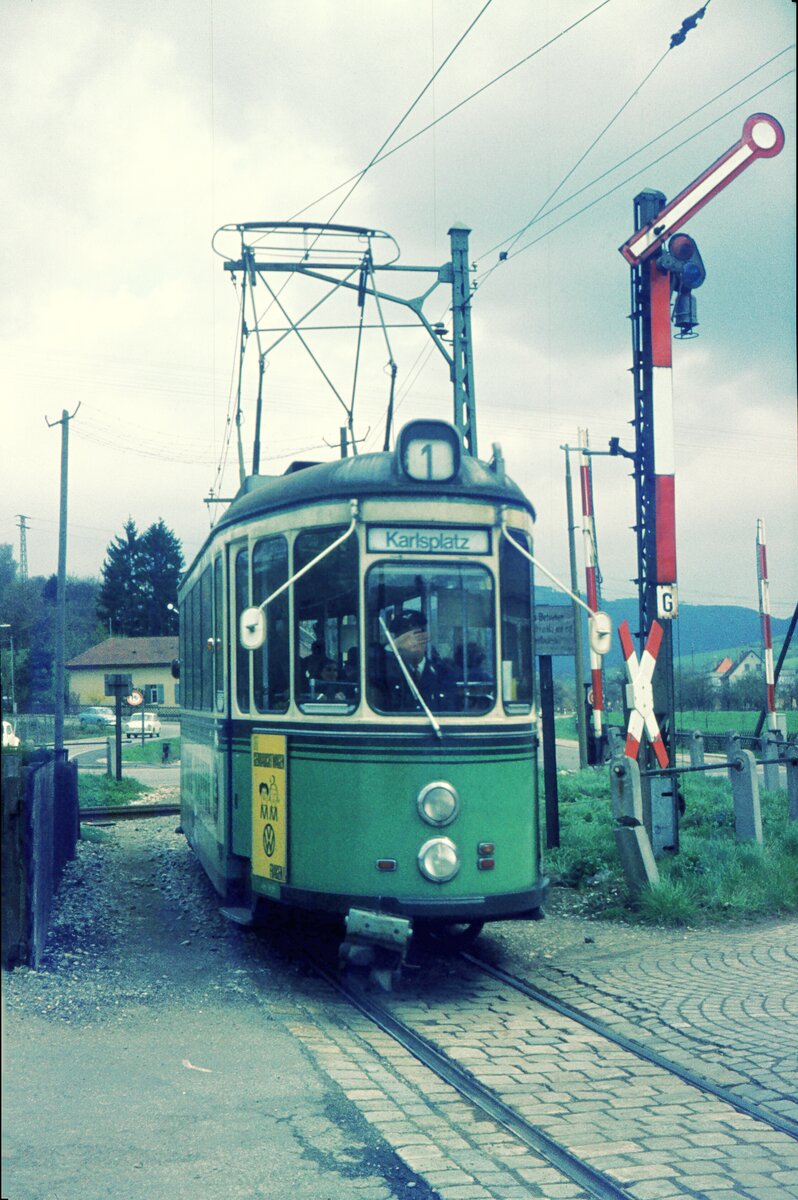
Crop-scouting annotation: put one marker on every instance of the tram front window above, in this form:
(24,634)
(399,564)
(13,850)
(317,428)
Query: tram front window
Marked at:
(433,626)
(327,668)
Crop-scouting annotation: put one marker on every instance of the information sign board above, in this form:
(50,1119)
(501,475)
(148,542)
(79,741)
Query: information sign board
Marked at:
(554,629)
(269,807)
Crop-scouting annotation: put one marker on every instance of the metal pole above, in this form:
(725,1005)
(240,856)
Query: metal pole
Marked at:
(592,576)
(549,752)
(764,616)
(654,479)
(465,408)
(60,618)
(579,666)
(118,733)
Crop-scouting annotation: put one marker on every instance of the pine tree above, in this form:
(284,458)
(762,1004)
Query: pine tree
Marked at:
(140,578)
(164,557)
(123,602)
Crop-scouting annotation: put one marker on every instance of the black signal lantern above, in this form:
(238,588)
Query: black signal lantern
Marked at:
(687,271)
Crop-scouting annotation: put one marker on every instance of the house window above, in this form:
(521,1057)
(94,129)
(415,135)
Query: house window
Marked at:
(153,693)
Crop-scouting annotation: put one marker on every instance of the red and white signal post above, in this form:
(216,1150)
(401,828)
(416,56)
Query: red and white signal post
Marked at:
(767,632)
(659,272)
(591,578)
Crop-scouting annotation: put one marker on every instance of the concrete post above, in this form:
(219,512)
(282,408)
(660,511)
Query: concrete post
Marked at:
(615,741)
(733,748)
(772,747)
(696,748)
(634,847)
(663,798)
(745,794)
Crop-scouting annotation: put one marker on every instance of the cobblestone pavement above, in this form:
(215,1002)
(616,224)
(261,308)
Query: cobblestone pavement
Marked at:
(722,1002)
(655,1135)
(141,948)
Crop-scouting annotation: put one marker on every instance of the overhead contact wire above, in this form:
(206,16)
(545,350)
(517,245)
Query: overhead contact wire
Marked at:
(380,157)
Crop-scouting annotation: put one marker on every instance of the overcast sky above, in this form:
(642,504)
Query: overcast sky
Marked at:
(132,129)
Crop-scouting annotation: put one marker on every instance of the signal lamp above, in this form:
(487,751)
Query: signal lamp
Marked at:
(683,260)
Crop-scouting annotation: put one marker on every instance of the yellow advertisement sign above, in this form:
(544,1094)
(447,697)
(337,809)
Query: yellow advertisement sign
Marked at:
(269,807)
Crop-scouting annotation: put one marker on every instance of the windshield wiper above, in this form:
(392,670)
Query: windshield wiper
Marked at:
(411,683)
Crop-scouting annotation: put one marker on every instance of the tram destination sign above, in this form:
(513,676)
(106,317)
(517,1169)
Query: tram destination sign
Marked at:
(418,539)
(554,629)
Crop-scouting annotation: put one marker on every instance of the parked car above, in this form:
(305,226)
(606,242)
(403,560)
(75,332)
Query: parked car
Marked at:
(10,739)
(152,726)
(98,715)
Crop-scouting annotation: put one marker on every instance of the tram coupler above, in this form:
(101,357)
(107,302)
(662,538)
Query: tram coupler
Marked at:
(376,942)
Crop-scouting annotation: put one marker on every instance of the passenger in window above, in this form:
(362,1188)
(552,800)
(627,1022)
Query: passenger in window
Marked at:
(351,672)
(311,665)
(469,664)
(326,686)
(431,677)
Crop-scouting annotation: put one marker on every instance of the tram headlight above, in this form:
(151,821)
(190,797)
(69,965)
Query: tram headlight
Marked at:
(438,860)
(438,803)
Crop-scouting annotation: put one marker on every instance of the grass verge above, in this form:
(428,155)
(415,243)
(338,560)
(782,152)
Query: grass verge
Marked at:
(151,752)
(713,878)
(98,791)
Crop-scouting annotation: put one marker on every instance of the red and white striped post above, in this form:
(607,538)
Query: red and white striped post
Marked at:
(663,427)
(764,613)
(591,572)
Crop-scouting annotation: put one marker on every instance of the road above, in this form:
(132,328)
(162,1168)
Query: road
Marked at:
(93,756)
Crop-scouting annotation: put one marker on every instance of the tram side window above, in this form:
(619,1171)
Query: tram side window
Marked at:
(516,610)
(270,663)
(441,625)
(185,651)
(327,670)
(218,634)
(196,647)
(242,655)
(206,646)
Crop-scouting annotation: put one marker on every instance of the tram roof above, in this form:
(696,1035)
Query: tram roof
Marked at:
(362,476)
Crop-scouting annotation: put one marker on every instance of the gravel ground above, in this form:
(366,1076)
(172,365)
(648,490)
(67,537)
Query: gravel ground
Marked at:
(148,1056)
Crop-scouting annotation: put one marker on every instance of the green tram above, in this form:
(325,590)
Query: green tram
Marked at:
(359,732)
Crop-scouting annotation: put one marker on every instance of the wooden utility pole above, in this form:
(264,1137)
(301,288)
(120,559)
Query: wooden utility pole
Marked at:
(60,605)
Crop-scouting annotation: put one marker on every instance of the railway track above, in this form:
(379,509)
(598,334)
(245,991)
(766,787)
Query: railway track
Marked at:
(128,812)
(514,1019)
(693,1078)
(594,1182)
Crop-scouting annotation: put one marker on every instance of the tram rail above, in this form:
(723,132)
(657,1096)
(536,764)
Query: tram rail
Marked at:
(701,1082)
(128,812)
(394,1015)
(594,1182)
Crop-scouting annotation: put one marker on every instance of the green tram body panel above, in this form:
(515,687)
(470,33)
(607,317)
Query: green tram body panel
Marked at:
(351,801)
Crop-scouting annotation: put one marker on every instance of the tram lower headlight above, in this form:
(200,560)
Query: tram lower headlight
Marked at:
(438,860)
(438,803)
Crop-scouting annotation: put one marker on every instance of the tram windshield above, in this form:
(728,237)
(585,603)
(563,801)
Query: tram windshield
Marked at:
(433,625)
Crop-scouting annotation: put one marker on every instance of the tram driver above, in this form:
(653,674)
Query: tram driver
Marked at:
(431,677)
